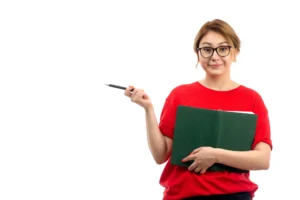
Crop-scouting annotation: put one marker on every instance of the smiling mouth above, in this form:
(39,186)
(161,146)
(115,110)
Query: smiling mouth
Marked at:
(216,65)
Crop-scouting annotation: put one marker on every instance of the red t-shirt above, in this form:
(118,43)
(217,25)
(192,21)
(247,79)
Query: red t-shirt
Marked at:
(181,183)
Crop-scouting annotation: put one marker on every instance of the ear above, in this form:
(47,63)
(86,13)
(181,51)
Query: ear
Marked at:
(234,55)
(197,61)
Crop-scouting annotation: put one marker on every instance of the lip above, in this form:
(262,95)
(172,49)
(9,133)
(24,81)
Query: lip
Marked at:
(216,65)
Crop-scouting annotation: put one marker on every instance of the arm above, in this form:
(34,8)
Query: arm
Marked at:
(256,159)
(159,145)
(204,157)
(259,157)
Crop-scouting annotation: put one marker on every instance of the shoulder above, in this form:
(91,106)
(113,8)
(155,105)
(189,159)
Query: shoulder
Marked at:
(256,97)
(182,89)
(250,91)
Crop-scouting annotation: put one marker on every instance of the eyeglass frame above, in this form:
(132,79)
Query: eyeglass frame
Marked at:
(214,50)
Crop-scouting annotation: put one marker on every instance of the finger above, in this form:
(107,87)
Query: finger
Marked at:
(143,95)
(133,95)
(203,171)
(128,91)
(136,95)
(135,91)
(193,166)
(188,158)
(198,169)
(196,150)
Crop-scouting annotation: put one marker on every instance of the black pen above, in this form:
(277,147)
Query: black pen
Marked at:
(117,86)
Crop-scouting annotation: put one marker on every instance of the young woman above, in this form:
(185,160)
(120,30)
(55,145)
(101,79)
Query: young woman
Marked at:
(216,46)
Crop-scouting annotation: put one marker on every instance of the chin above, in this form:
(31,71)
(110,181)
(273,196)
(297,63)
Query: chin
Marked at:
(215,72)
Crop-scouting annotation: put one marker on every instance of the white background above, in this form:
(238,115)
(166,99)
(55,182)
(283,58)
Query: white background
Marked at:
(65,135)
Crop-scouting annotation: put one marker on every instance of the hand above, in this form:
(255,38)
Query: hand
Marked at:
(203,157)
(138,96)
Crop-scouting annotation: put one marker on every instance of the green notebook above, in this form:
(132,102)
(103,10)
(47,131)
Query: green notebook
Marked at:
(197,127)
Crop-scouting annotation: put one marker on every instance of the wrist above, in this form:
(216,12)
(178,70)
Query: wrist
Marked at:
(217,155)
(149,108)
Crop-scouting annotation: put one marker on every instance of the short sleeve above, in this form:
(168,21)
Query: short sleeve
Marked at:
(263,130)
(168,117)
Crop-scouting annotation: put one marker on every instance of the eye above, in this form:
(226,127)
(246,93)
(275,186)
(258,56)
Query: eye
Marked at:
(222,49)
(207,49)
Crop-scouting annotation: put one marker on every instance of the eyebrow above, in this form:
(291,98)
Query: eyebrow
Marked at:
(211,44)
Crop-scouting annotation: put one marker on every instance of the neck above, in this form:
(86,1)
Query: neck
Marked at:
(221,83)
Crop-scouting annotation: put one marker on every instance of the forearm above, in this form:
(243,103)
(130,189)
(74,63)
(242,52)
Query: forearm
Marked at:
(247,160)
(156,140)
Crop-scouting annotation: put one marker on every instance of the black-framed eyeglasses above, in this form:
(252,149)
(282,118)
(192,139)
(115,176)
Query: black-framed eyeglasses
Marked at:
(207,52)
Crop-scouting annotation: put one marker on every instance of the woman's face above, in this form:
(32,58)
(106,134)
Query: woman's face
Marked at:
(212,63)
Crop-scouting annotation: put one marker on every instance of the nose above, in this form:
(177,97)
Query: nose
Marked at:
(215,55)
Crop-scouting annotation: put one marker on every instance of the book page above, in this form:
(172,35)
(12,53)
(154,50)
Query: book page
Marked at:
(237,111)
